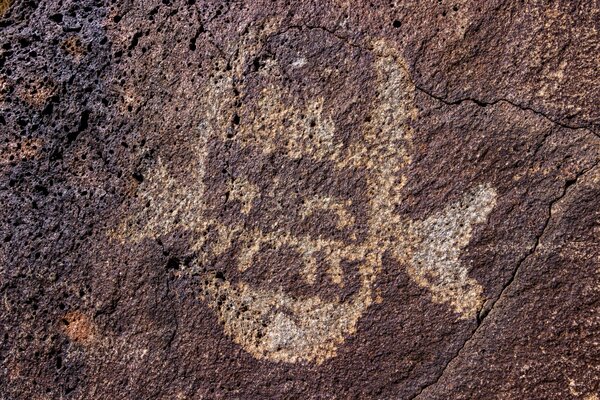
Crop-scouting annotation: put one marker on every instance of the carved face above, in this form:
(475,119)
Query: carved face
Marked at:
(294,205)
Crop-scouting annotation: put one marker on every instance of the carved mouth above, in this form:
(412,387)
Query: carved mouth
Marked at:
(274,325)
(267,304)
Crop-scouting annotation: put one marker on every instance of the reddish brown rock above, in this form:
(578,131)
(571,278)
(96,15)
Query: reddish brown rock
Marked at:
(78,327)
(311,200)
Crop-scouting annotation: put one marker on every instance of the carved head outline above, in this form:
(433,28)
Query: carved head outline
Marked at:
(285,188)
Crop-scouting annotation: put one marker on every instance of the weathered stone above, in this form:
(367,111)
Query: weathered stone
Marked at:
(206,199)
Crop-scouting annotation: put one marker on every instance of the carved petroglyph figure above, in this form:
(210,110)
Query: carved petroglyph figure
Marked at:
(268,321)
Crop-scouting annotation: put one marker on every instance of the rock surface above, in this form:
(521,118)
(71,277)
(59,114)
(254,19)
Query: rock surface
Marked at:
(266,199)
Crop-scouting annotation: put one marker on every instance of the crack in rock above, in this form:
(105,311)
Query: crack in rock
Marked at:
(484,312)
(510,102)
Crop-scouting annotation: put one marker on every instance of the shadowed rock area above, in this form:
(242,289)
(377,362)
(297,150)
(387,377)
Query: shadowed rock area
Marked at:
(321,200)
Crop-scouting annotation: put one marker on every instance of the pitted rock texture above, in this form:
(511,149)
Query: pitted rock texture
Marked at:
(329,199)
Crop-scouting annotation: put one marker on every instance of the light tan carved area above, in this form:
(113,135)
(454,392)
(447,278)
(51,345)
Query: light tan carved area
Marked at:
(435,249)
(4,5)
(577,388)
(243,191)
(270,323)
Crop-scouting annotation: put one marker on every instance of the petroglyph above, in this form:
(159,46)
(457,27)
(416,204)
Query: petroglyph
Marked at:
(436,246)
(267,321)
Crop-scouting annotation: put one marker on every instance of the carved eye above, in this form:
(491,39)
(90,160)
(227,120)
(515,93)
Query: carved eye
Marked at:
(245,192)
(344,218)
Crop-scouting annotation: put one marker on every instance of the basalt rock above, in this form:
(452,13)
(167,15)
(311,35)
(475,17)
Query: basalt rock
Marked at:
(268,199)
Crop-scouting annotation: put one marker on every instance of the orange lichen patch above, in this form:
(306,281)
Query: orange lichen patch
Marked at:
(4,4)
(36,93)
(74,47)
(78,327)
(20,151)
